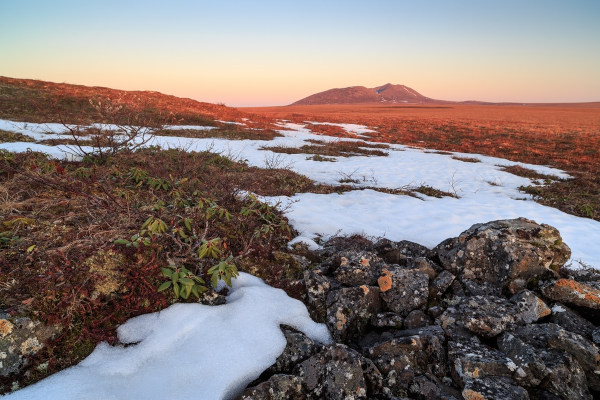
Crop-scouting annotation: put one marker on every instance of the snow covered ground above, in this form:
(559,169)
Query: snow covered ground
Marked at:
(213,352)
(187,351)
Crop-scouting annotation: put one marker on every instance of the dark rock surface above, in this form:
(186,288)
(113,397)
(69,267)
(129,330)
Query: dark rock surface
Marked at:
(403,290)
(487,315)
(505,253)
(21,338)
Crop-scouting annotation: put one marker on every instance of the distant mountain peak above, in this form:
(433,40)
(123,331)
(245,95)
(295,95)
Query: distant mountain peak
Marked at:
(388,93)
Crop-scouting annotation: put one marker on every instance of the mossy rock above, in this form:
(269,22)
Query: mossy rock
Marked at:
(106,269)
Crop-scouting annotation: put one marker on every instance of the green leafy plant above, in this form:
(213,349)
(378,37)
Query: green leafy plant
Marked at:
(225,270)
(182,281)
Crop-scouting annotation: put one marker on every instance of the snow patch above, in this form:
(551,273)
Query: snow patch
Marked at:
(198,351)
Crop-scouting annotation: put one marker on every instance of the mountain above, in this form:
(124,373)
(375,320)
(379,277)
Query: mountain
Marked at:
(387,93)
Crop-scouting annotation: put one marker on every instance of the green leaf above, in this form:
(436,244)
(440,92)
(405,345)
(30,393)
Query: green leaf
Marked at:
(148,221)
(122,241)
(215,280)
(188,224)
(186,281)
(166,272)
(185,292)
(31,248)
(176,289)
(165,285)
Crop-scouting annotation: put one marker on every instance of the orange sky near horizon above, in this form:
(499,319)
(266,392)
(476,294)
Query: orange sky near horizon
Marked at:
(274,53)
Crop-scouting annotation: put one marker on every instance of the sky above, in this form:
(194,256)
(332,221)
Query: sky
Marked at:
(255,53)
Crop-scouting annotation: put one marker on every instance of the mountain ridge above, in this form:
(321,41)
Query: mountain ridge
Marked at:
(387,93)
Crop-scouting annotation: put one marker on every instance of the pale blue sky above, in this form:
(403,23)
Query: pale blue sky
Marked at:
(275,52)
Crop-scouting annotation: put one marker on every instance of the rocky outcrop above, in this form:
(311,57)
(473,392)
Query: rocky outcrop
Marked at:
(20,338)
(507,253)
(489,314)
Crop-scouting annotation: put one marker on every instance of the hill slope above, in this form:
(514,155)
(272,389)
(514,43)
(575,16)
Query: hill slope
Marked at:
(40,101)
(387,93)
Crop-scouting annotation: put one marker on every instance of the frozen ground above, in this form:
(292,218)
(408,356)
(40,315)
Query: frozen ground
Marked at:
(207,352)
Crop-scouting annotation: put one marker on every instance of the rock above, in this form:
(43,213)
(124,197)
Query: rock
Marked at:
(416,319)
(571,321)
(571,292)
(403,290)
(423,388)
(387,320)
(400,252)
(335,373)
(440,284)
(470,360)
(435,311)
(486,316)
(317,290)
(493,388)
(358,268)
(20,338)
(338,244)
(544,336)
(530,308)
(565,378)
(552,370)
(401,355)
(505,253)
(473,288)
(299,347)
(349,311)
(278,387)
(424,265)
(532,368)
(596,336)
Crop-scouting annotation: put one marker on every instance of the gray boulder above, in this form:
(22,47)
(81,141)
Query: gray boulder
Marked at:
(349,311)
(358,268)
(505,253)
(402,355)
(493,388)
(400,252)
(552,336)
(338,372)
(299,347)
(404,290)
(470,359)
(571,321)
(20,338)
(277,387)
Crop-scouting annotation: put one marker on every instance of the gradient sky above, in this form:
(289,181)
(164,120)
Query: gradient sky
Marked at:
(259,52)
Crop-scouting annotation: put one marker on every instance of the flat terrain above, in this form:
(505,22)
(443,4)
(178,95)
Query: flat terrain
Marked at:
(566,136)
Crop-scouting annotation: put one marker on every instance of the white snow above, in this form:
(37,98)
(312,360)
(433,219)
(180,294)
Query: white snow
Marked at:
(230,122)
(187,351)
(190,127)
(359,130)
